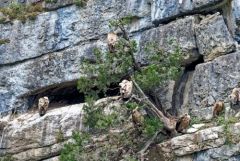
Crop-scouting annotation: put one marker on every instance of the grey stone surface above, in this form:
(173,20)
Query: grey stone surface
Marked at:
(213,81)
(52,159)
(31,137)
(213,38)
(181,31)
(164,10)
(226,152)
(41,73)
(46,53)
(57,4)
(210,138)
(18,79)
(236,12)
(185,158)
(4,3)
(50,5)
(206,3)
(236,9)
(66,27)
(165,94)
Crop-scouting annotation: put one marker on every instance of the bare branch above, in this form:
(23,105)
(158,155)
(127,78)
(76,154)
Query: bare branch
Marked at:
(169,123)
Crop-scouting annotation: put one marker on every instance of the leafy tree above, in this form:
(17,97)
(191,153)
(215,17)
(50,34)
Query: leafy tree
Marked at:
(112,67)
(72,149)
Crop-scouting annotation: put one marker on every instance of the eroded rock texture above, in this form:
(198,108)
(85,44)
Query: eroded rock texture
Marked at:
(48,51)
(163,10)
(44,55)
(31,137)
(206,144)
(181,31)
(211,82)
(211,44)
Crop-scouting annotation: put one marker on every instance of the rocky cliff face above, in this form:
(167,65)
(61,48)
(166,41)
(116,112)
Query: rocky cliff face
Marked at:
(43,57)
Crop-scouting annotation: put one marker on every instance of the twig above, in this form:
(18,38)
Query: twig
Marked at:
(138,99)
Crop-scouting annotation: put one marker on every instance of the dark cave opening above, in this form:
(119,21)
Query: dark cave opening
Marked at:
(191,66)
(180,86)
(66,94)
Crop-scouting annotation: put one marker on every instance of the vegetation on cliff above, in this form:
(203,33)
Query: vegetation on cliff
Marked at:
(111,67)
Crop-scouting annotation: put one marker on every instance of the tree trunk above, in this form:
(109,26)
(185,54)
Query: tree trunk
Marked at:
(168,123)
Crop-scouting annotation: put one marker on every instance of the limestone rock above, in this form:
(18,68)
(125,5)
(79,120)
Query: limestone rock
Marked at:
(236,7)
(206,3)
(181,31)
(51,31)
(185,158)
(195,128)
(213,37)
(226,152)
(3,124)
(236,13)
(191,130)
(52,159)
(210,138)
(66,27)
(57,4)
(31,137)
(218,78)
(165,94)
(19,82)
(198,126)
(4,3)
(164,10)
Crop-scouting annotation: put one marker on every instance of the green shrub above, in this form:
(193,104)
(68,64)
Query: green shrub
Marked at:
(195,120)
(59,136)
(80,3)
(151,126)
(71,151)
(83,147)
(131,105)
(22,12)
(51,1)
(95,117)
(7,158)
(4,41)
(111,67)
(2,20)
(226,125)
(163,66)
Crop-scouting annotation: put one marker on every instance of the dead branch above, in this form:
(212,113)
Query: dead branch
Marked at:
(168,123)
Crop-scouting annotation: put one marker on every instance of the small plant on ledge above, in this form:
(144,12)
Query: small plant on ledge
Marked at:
(80,3)
(4,41)
(119,64)
(21,12)
(51,1)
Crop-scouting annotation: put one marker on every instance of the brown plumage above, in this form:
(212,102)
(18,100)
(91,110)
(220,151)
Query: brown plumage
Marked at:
(235,96)
(137,117)
(218,108)
(43,104)
(183,123)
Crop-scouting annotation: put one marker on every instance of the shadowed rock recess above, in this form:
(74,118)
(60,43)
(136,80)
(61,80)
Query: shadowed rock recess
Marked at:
(42,57)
